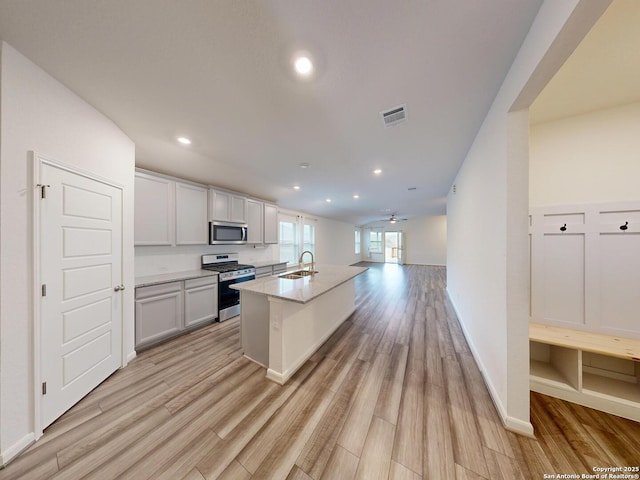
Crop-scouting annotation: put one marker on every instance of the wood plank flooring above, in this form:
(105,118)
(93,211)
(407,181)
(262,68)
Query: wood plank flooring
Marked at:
(393,394)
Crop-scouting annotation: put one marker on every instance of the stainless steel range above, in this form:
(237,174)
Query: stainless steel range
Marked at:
(230,272)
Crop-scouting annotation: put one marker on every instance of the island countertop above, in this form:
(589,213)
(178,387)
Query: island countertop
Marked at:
(302,290)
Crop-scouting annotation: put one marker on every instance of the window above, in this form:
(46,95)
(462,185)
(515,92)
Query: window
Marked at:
(357,232)
(375,241)
(309,238)
(289,242)
(296,236)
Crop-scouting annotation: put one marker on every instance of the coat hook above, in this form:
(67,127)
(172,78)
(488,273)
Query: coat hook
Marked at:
(624,227)
(563,228)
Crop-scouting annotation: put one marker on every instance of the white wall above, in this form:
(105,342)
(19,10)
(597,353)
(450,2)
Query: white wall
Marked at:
(39,114)
(487,233)
(334,245)
(153,260)
(425,240)
(588,158)
(335,242)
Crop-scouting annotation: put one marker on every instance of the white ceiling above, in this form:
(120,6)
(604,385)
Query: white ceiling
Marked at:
(604,71)
(219,73)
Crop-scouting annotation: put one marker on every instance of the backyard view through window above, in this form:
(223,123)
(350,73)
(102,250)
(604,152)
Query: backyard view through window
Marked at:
(375,241)
(289,242)
(296,236)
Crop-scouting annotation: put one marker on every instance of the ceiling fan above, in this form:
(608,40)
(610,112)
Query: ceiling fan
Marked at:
(394,219)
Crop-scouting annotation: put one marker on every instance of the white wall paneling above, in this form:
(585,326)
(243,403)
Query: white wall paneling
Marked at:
(587,276)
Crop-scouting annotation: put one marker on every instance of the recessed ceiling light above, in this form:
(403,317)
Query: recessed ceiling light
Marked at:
(184,140)
(296,187)
(304,165)
(356,196)
(328,200)
(303,66)
(377,171)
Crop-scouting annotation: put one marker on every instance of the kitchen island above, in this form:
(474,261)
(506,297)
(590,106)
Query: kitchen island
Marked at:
(283,321)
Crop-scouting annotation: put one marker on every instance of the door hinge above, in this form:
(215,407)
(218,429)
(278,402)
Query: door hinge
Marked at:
(43,192)
(44,289)
(44,388)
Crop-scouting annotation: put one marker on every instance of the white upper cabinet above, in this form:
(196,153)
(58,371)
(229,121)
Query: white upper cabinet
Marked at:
(154,208)
(173,212)
(270,223)
(238,209)
(169,212)
(227,207)
(254,221)
(191,215)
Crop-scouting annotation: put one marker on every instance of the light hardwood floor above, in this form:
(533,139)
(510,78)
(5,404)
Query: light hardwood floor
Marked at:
(393,394)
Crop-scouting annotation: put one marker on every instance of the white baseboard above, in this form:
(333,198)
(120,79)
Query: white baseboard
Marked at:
(512,424)
(281,378)
(132,355)
(15,449)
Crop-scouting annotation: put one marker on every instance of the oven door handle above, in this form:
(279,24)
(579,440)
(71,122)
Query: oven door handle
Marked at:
(249,275)
(241,277)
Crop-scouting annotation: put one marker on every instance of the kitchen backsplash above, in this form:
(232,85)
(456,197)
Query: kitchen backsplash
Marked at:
(156,260)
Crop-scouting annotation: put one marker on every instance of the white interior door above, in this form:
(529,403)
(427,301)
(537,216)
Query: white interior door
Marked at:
(80,259)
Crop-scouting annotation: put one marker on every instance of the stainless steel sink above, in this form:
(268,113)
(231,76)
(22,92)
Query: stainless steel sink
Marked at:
(291,276)
(305,273)
(297,274)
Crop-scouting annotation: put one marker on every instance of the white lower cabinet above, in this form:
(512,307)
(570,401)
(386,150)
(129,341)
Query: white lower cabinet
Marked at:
(200,301)
(268,270)
(168,309)
(158,312)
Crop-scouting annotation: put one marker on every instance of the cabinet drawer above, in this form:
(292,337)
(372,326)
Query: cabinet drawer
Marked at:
(263,271)
(200,282)
(279,268)
(161,289)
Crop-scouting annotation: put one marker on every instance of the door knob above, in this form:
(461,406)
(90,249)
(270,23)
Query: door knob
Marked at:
(117,288)
(121,287)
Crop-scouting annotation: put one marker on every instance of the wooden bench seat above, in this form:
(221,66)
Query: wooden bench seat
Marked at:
(594,370)
(589,342)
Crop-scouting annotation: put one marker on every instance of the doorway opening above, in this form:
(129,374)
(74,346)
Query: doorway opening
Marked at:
(393,247)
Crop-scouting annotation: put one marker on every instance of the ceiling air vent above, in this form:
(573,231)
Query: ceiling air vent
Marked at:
(394,116)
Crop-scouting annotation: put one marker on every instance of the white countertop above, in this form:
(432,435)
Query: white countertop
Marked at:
(302,290)
(172,277)
(265,263)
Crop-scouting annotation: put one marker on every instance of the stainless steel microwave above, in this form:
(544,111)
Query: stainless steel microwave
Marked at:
(227,233)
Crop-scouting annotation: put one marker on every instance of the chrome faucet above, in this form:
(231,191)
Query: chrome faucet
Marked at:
(312,260)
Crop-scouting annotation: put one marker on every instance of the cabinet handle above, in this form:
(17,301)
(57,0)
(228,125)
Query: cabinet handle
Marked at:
(624,227)
(563,228)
